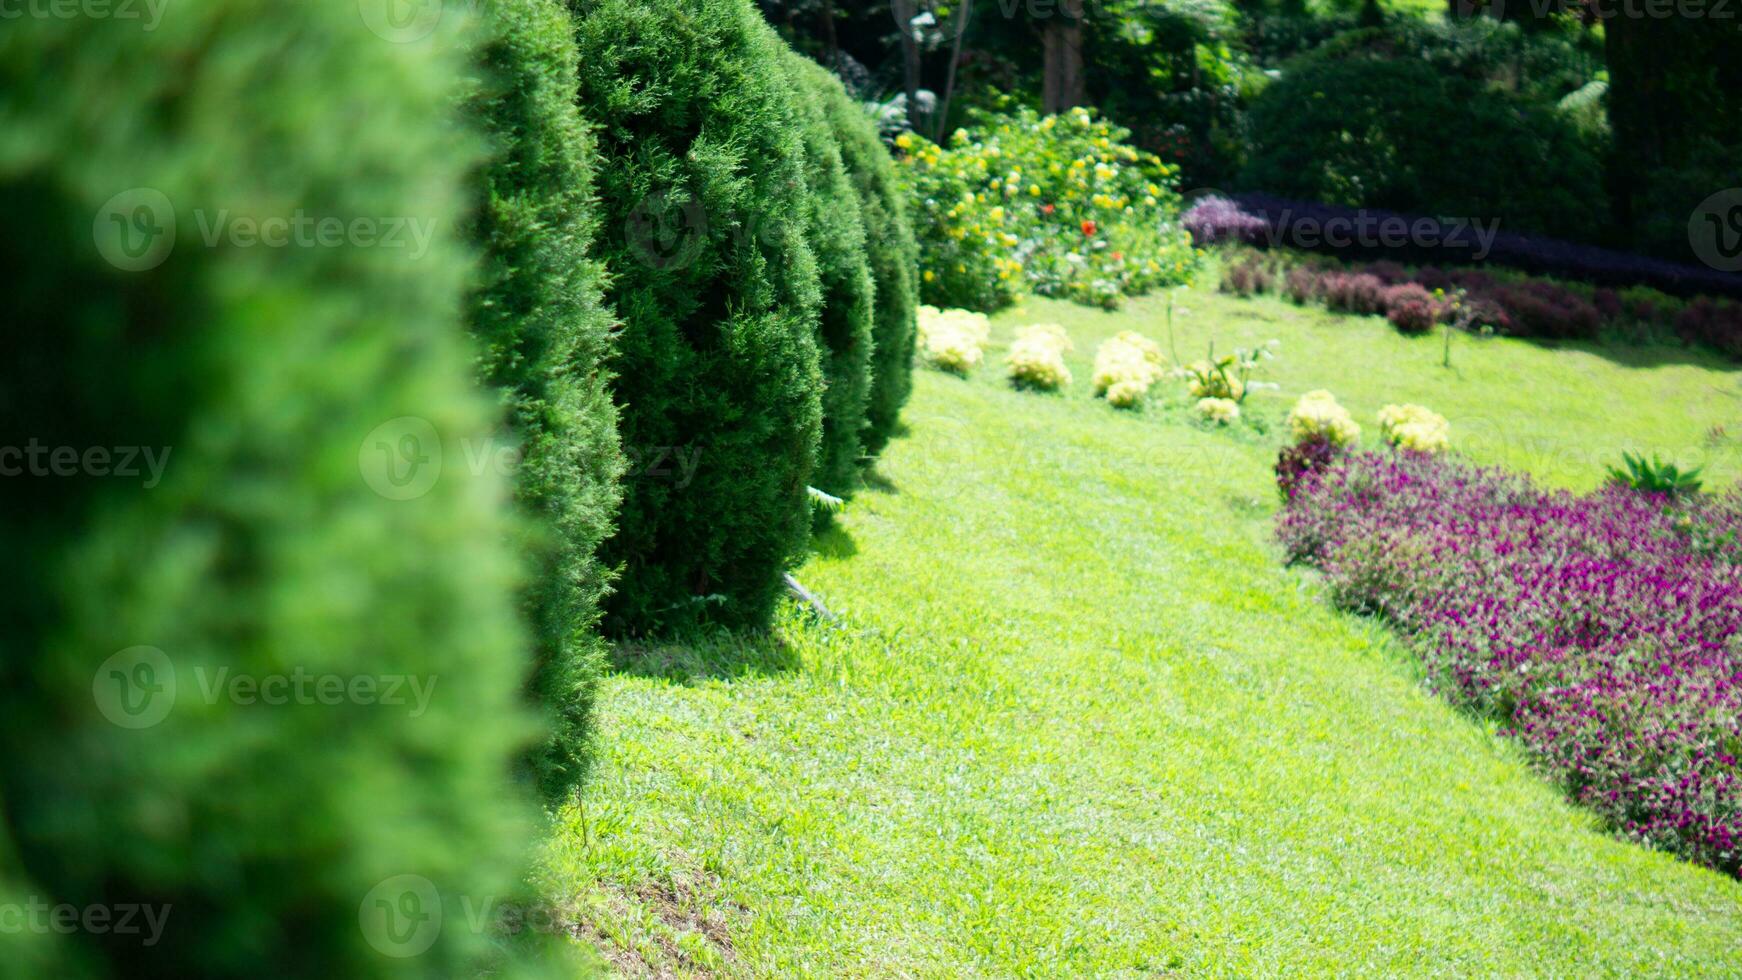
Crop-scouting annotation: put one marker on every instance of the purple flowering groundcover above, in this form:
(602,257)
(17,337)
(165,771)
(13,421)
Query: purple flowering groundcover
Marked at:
(1604,630)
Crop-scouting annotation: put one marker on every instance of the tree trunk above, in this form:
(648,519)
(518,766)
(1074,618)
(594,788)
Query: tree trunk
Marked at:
(829,40)
(909,59)
(1062,49)
(943,119)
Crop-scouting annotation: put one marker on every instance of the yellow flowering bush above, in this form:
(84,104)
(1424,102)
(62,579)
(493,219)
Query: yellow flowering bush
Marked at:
(1058,205)
(1220,410)
(1037,357)
(1318,414)
(953,340)
(1126,394)
(1126,364)
(1414,427)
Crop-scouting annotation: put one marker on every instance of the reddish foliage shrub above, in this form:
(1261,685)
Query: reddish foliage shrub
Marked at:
(1411,308)
(1519,307)
(1545,309)
(1301,285)
(1608,303)
(1707,321)
(1247,277)
(1353,292)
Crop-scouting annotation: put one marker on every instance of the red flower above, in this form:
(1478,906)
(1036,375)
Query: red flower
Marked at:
(1088,227)
(1118,256)
(1046,209)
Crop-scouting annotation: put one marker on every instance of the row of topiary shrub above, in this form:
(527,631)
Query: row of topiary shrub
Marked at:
(396,470)
(1415,300)
(734,229)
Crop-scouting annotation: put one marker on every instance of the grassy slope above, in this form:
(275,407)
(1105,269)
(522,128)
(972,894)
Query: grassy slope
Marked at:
(1562,412)
(1081,722)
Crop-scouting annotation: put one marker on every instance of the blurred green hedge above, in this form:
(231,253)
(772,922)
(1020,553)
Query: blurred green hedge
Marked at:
(298,527)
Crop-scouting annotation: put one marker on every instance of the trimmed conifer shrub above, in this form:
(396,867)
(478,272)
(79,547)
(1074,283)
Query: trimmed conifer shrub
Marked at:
(262,670)
(702,192)
(891,249)
(545,337)
(837,236)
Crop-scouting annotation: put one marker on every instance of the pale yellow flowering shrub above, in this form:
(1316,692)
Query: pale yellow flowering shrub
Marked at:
(1220,410)
(1317,413)
(1037,357)
(953,340)
(1126,364)
(1126,394)
(1414,427)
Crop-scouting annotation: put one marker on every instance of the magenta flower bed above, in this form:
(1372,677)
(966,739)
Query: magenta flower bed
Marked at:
(1605,631)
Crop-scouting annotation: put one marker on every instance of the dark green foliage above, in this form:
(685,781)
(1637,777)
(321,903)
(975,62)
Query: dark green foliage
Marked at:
(1378,133)
(546,336)
(1675,106)
(702,192)
(889,244)
(267,546)
(837,236)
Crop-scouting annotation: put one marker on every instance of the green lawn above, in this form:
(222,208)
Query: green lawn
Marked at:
(1077,720)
